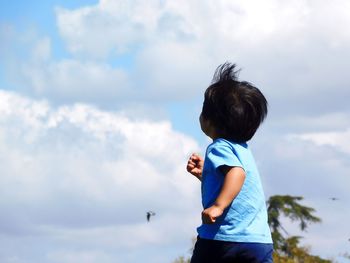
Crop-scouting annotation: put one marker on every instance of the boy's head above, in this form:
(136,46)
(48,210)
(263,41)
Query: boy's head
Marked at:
(234,109)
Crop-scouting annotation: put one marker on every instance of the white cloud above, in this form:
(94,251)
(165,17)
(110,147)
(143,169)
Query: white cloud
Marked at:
(72,80)
(75,174)
(339,140)
(65,80)
(42,50)
(293,51)
(108,26)
(329,122)
(246,23)
(178,74)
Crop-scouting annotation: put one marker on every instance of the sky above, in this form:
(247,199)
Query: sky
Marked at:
(99,106)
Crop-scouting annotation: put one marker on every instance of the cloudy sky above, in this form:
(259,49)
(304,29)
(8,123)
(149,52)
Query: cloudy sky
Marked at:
(99,104)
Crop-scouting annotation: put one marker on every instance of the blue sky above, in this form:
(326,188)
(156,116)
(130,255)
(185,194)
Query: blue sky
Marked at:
(99,105)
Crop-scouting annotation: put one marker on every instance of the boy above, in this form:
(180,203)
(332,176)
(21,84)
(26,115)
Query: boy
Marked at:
(234,220)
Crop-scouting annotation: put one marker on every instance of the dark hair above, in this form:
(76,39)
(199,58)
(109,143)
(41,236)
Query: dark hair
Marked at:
(235,108)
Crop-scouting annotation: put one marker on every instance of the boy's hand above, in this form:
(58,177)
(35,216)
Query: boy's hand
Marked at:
(195,165)
(210,214)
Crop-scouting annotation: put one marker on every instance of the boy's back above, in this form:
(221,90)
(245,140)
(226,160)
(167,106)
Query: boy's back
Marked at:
(246,218)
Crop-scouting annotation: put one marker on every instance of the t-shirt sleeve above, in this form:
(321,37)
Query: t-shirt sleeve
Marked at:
(223,155)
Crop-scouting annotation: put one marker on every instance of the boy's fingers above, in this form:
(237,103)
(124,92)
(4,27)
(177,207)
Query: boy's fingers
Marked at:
(190,166)
(208,220)
(191,163)
(194,156)
(194,160)
(212,220)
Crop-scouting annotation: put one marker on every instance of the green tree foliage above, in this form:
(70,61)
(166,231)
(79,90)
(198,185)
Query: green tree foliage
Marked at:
(289,207)
(287,248)
(296,254)
(182,260)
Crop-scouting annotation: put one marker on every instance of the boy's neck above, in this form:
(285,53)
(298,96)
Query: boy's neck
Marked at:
(214,135)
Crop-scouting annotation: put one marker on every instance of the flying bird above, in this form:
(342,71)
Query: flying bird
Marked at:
(149,214)
(334,198)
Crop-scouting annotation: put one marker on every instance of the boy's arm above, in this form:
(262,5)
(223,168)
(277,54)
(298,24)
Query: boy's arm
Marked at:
(233,182)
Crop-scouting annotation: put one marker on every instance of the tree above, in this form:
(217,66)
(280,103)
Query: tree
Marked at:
(287,248)
(182,260)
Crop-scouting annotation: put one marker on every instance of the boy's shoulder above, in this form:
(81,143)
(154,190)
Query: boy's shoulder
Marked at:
(222,148)
(221,142)
(230,153)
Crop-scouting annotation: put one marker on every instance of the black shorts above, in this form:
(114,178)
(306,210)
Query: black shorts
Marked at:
(214,251)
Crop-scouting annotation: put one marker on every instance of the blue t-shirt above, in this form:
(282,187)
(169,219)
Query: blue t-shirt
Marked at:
(245,220)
